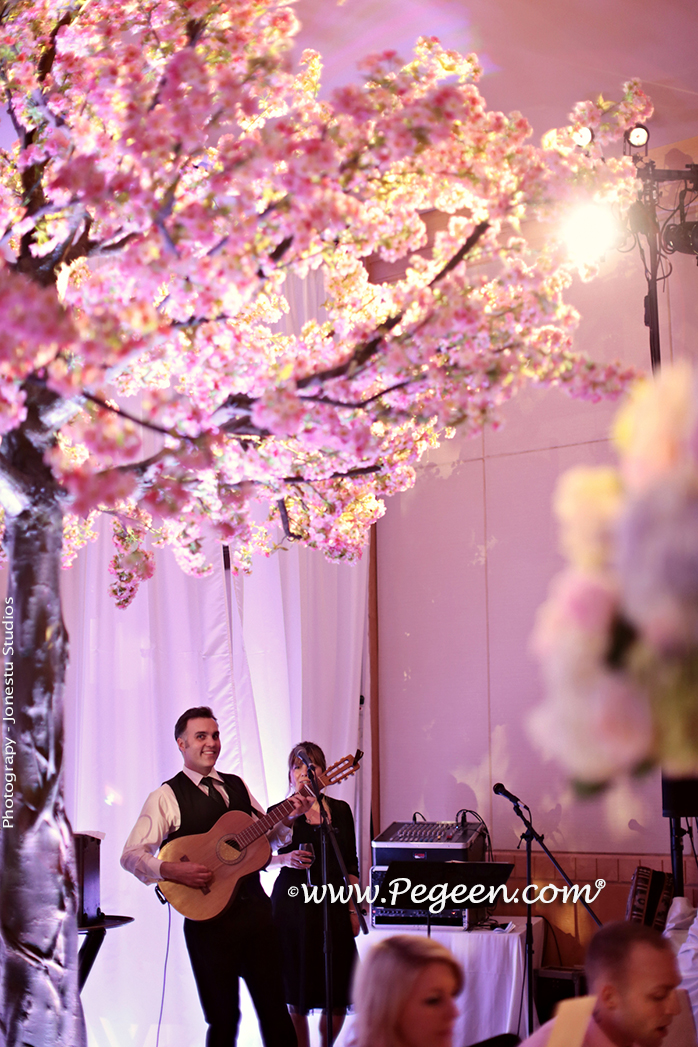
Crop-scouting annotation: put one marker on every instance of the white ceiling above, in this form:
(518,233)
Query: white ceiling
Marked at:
(540,56)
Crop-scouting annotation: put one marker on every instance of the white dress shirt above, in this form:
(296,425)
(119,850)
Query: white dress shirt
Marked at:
(593,1037)
(161,816)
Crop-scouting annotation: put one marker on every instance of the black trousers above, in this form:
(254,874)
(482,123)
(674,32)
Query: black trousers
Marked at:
(241,943)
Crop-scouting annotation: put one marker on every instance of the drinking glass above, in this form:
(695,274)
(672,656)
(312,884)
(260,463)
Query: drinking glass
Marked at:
(311,850)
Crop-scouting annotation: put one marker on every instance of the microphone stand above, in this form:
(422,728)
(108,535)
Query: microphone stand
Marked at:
(327,832)
(529,836)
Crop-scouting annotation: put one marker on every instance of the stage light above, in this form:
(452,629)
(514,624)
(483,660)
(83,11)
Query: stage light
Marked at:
(636,139)
(682,238)
(583,137)
(638,136)
(590,231)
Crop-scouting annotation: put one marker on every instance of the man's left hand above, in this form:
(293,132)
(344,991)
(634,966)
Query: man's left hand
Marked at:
(301,804)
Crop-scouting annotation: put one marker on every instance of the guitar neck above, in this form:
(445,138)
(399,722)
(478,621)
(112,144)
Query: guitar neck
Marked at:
(262,826)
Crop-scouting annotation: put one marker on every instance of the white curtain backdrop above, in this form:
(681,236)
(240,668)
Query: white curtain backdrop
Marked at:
(277,655)
(289,669)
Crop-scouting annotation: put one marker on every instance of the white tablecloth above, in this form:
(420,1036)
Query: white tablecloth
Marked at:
(494,999)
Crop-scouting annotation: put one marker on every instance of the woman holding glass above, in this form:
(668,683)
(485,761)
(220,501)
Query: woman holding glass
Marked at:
(300,923)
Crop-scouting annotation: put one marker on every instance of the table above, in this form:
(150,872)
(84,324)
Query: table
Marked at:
(493,1000)
(95,934)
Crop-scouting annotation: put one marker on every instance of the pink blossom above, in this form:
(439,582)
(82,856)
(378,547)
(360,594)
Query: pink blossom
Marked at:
(578,601)
(90,489)
(185,181)
(597,732)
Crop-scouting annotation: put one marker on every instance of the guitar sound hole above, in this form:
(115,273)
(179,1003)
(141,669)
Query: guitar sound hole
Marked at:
(228,851)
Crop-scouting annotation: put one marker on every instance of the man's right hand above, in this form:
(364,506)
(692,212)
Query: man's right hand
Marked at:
(190,874)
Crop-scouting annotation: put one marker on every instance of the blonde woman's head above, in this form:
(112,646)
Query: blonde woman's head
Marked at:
(404,994)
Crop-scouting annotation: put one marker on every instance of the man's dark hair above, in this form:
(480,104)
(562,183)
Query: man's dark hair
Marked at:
(610,948)
(200,712)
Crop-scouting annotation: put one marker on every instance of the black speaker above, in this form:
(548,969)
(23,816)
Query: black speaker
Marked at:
(680,797)
(87,860)
(385,916)
(552,984)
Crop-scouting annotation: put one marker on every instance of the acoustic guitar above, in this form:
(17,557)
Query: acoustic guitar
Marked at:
(235,847)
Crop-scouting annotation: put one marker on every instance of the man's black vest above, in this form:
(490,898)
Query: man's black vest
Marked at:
(198,813)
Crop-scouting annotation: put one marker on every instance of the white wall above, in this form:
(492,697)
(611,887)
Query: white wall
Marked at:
(465,559)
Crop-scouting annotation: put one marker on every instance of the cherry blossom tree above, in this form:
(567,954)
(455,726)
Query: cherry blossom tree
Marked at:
(170,172)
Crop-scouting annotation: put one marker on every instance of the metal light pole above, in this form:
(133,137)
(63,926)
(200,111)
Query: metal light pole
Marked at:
(643,222)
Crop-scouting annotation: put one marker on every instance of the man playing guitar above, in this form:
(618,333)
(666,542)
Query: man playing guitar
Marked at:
(241,941)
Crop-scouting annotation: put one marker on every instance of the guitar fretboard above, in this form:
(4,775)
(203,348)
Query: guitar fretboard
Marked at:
(268,821)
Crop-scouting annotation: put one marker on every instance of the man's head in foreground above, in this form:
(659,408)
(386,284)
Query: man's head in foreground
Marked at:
(632,971)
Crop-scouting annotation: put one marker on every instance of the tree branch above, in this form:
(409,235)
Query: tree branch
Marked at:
(197,321)
(131,417)
(360,470)
(277,254)
(363,353)
(95,248)
(239,406)
(286,523)
(233,416)
(476,235)
(47,59)
(359,403)
(142,466)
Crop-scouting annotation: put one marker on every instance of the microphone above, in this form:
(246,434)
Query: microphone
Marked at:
(312,780)
(499,790)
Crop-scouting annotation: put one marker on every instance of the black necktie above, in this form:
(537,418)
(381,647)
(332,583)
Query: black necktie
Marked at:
(214,794)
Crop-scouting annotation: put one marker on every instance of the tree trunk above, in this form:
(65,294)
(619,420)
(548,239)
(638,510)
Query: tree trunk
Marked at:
(40,1002)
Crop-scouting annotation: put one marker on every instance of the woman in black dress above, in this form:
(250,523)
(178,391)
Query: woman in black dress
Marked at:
(300,923)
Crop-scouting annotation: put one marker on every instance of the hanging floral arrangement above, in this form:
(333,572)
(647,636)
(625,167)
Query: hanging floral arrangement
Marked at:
(617,638)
